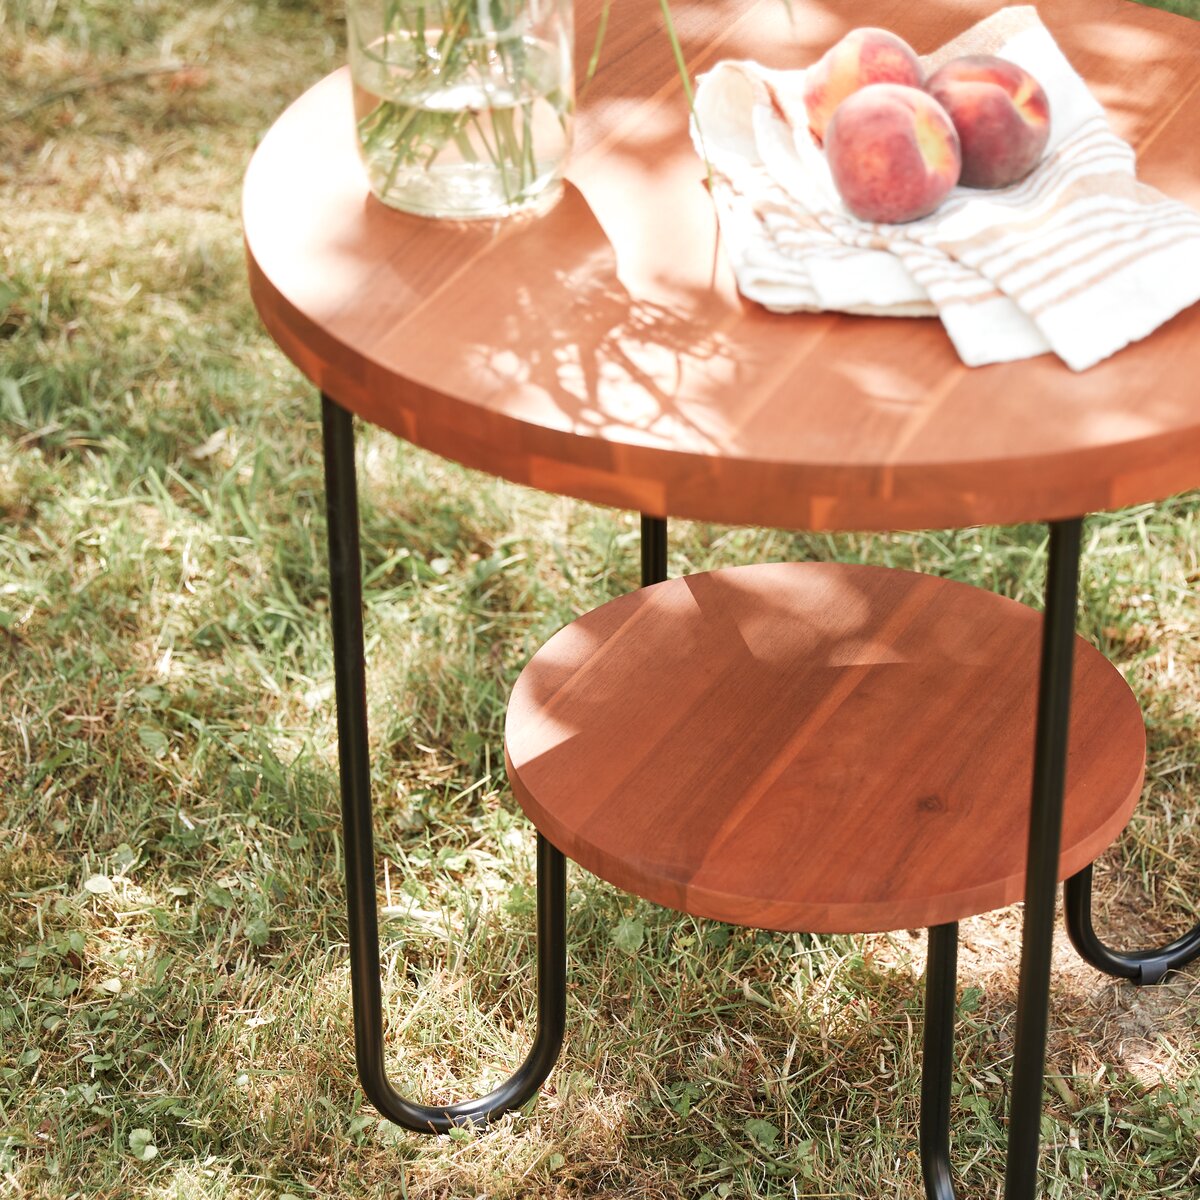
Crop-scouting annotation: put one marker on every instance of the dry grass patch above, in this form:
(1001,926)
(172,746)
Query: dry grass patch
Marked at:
(173,982)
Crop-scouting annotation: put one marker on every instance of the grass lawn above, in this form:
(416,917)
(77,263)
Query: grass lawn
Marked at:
(174,996)
(1187,8)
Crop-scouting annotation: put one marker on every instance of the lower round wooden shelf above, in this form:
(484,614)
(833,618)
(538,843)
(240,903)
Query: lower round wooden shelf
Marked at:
(812,746)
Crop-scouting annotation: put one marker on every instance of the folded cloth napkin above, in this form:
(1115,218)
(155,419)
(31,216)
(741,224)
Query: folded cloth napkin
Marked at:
(1078,257)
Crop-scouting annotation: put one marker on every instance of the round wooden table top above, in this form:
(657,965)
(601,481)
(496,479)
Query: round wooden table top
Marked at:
(812,746)
(602,351)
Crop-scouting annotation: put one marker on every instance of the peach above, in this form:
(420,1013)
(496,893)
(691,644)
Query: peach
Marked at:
(893,153)
(1001,114)
(863,56)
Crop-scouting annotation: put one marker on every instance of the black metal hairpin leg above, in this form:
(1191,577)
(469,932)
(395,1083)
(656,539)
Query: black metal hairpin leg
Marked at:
(937,1060)
(345,577)
(1140,966)
(654,550)
(1041,876)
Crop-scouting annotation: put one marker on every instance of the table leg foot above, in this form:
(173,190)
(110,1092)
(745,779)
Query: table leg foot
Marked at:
(345,577)
(1139,966)
(937,1061)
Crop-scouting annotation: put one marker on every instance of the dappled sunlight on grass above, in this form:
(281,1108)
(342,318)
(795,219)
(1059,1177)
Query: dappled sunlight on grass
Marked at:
(172,935)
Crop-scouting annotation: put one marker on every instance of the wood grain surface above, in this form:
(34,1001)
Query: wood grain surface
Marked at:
(810,746)
(602,350)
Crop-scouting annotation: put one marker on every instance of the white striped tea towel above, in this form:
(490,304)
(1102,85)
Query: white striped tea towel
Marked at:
(1078,258)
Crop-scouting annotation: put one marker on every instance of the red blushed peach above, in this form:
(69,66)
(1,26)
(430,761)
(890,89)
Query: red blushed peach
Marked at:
(1001,114)
(893,153)
(863,56)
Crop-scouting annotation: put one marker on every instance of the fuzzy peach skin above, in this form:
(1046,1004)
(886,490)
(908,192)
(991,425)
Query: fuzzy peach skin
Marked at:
(1001,114)
(893,153)
(863,56)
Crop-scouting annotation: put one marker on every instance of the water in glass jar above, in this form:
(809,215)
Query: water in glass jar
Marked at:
(458,126)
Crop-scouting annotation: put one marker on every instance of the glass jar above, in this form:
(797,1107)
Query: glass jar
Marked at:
(464,108)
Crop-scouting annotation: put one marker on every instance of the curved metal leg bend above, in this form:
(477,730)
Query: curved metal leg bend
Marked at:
(345,571)
(937,1061)
(1139,966)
